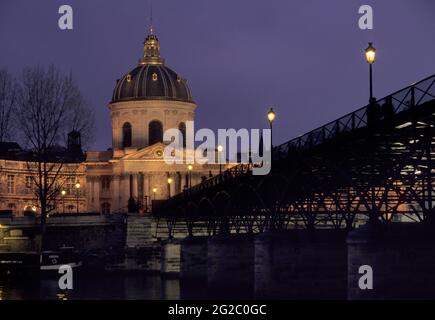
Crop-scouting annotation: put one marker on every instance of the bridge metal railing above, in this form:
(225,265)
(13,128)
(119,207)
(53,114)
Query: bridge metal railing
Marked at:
(226,175)
(409,97)
(402,100)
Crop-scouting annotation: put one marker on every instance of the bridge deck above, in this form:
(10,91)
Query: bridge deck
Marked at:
(376,162)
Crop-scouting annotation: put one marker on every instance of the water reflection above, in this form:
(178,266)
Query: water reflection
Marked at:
(93,287)
(116,286)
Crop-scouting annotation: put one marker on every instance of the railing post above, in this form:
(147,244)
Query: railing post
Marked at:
(413,96)
(353,121)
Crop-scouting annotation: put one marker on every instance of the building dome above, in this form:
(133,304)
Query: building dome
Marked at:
(151,79)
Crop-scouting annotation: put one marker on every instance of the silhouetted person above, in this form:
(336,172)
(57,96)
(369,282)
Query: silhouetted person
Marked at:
(373,112)
(387,108)
(132,206)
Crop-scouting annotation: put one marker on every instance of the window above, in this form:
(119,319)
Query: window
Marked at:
(155,132)
(29,185)
(70,183)
(11,184)
(126,135)
(105,208)
(182,128)
(154,76)
(105,183)
(128,78)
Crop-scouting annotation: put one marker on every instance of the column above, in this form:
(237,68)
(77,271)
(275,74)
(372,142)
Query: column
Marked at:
(172,186)
(96,194)
(140,186)
(135,186)
(179,182)
(124,192)
(115,193)
(146,187)
(89,194)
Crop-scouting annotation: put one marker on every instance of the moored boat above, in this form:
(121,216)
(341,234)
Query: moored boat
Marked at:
(34,263)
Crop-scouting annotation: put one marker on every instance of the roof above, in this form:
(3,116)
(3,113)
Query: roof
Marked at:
(151,79)
(151,82)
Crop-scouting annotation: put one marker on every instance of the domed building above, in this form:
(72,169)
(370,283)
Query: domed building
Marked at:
(146,101)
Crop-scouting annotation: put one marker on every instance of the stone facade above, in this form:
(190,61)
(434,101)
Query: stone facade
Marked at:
(17,189)
(139,114)
(146,102)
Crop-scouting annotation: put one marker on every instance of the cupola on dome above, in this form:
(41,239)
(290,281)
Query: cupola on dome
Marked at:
(151,79)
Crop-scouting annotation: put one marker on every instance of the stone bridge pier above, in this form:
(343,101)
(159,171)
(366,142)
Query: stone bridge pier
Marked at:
(301,264)
(294,264)
(230,265)
(401,257)
(194,251)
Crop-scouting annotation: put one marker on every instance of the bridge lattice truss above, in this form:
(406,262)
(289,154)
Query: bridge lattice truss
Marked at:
(375,163)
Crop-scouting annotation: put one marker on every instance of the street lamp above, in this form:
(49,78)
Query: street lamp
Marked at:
(154,192)
(220,148)
(371,58)
(190,168)
(77,193)
(169,186)
(271,117)
(63,194)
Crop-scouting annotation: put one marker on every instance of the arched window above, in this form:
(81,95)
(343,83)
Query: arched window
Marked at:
(126,135)
(182,128)
(155,132)
(29,210)
(105,208)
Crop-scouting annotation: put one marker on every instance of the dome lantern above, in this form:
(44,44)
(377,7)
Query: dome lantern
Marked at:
(151,50)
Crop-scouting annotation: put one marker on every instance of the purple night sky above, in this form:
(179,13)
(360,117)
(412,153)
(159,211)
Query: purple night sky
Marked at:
(305,57)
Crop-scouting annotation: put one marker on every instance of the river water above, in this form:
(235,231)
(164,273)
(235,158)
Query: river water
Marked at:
(93,286)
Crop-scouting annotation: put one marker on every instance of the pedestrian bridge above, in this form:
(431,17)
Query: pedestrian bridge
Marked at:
(376,163)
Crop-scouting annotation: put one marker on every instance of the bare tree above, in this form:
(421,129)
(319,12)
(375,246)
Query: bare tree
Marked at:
(8,99)
(50,106)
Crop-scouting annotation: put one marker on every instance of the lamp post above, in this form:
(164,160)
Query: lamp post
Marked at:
(169,186)
(220,148)
(63,194)
(271,117)
(154,192)
(190,168)
(370,54)
(77,194)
